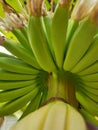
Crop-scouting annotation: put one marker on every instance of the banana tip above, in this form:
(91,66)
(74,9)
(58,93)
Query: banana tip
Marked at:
(94,15)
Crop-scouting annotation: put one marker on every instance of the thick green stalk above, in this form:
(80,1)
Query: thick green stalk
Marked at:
(60,86)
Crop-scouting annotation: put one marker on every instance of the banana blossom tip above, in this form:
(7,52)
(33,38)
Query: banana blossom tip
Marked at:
(94,14)
(37,7)
(83,9)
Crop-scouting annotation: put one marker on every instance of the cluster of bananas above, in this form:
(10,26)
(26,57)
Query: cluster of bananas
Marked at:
(52,45)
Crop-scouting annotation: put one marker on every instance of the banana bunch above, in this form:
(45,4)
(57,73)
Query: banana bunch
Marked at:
(56,115)
(54,57)
(20,82)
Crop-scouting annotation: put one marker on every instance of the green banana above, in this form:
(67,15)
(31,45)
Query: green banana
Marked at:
(47,22)
(16,65)
(12,94)
(82,40)
(5,75)
(32,106)
(89,58)
(90,84)
(89,117)
(18,103)
(72,26)
(7,85)
(24,31)
(91,90)
(47,25)
(48,117)
(91,77)
(22,38)
(59,30)
(39,44)
(43,95)
(22,53)
(93,96)
(90,70)
(87,103)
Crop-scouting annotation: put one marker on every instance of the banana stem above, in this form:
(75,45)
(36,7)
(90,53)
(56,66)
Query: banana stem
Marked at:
(60,86)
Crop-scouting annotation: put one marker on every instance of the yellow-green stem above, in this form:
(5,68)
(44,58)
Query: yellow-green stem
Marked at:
(61,86)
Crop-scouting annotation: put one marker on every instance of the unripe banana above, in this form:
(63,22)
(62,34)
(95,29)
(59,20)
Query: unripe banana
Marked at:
(16,65)
(22,39)
(39,44)
(72,26)
(88,59)
(79,43)
(38,100)
(22,53)
(91,84)
(53,116)
(7,85)
(33,105)
(18,103)
(90,70)
(91,90)
(58,32)
(47,23)
(92,96)
(87,103)
(6,75)
(91,77)
(91,118)
(12,94)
